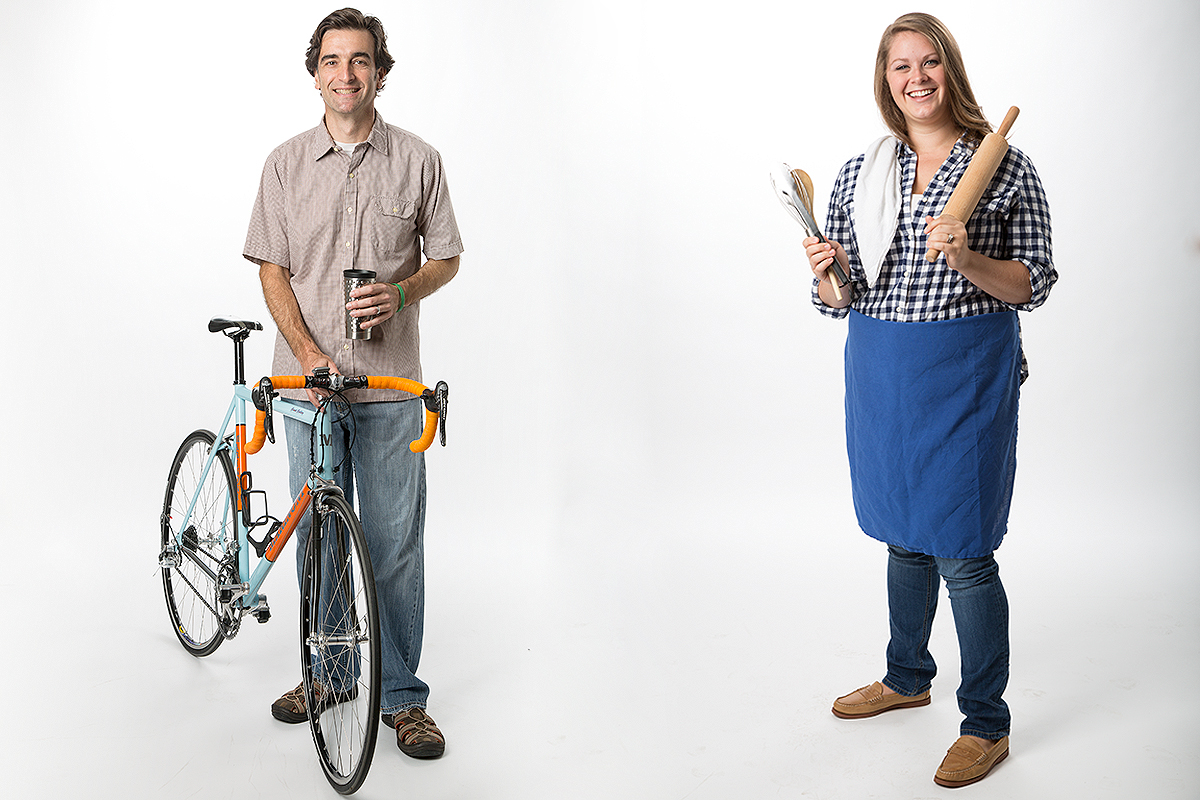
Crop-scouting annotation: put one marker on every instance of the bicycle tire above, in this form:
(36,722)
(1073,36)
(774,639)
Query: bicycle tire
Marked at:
(190,571)
(340,649)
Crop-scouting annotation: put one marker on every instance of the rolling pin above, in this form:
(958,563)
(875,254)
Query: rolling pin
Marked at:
(978,175)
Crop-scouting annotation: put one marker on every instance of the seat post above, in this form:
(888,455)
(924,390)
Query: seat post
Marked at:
(239,361)
(239,331)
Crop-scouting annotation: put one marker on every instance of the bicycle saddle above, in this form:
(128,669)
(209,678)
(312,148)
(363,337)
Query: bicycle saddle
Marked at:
(218,324)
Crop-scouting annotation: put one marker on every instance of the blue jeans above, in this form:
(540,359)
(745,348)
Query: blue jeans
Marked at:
(980,618)
(391,505)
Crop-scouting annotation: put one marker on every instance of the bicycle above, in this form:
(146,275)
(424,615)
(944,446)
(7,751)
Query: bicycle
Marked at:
(205,560)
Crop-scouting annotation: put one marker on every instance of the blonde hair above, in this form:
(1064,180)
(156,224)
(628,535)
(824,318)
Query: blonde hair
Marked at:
(965,112)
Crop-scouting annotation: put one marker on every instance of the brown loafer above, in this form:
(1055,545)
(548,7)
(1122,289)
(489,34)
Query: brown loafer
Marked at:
(875,702)
(967,761)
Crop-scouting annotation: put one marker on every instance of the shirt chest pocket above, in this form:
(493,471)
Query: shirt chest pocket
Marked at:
(991,204)
(988,228)
(393,221)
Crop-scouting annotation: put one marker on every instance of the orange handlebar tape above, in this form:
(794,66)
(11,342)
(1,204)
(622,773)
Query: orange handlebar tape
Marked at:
(412,387)
(260,434)
(260,431)
(373,382)
(422,444)
(401,384)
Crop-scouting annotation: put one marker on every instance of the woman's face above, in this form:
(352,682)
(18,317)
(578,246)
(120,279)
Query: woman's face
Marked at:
(917,80)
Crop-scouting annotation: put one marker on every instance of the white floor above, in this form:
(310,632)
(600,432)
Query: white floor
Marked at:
(688,654)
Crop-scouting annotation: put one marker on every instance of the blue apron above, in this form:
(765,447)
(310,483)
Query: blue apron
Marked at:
(931,430)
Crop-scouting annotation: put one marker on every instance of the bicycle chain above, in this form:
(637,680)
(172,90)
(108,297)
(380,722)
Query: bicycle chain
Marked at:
(196,592)
(228,568)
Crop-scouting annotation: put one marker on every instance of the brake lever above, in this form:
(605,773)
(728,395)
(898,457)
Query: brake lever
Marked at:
(437,400)
(261,397)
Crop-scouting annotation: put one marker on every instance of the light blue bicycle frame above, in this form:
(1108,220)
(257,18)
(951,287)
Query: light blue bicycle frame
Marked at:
(246,596)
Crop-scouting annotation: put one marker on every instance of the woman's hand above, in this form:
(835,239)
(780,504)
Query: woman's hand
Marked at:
(1007,281)
(820,259)
(948,235)
(821,254)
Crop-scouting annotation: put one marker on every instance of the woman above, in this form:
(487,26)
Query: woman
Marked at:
(933,368)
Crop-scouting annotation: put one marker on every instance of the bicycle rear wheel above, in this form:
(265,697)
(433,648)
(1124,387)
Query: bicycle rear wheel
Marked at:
(191,560)
(340,648)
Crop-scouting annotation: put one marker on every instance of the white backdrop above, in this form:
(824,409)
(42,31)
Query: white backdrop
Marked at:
(644,429)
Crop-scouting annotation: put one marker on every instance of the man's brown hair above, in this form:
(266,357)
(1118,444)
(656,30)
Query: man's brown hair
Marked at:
(351,19)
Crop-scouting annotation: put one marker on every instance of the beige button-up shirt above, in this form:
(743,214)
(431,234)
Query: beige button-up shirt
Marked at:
(321,210)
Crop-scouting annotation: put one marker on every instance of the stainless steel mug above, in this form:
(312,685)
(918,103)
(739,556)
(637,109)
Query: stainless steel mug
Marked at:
(351,280)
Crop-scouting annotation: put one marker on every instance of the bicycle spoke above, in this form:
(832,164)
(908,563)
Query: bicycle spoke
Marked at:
(191,557)
(340,638)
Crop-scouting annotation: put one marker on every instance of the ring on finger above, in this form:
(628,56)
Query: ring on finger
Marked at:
(949,238)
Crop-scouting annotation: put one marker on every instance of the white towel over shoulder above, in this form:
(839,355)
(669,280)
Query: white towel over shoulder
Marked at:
(877,203)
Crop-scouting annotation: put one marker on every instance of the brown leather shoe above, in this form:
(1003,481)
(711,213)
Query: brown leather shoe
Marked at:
(874,702)
(967,762)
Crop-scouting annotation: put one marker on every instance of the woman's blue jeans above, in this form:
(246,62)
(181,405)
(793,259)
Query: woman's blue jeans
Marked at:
(980,610)
(391,506)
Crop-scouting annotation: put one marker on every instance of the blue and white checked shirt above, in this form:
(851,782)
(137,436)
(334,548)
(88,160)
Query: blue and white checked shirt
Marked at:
(1010,223)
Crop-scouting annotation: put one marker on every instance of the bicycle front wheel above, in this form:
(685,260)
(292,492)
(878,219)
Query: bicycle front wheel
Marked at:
(191,559)
(340,649)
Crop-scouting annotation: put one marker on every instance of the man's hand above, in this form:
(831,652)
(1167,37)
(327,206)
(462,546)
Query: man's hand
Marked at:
(374,303)
(281,301)
(308,365)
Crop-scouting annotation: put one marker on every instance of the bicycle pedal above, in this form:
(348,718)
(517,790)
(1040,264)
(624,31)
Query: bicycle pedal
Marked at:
(262,612)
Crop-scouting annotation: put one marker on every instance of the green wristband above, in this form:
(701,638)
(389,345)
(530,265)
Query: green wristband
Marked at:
(401,289)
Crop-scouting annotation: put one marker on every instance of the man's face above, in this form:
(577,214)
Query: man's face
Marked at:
(346,72)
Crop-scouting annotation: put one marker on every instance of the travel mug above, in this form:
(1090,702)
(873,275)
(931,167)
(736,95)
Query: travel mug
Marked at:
(351,280)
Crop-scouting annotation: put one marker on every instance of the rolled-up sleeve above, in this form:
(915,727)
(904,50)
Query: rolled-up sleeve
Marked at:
(266,238)
(440,239)
(1029,236)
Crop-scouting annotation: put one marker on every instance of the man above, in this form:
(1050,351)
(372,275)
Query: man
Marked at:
(356,193)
